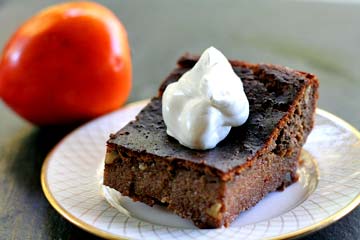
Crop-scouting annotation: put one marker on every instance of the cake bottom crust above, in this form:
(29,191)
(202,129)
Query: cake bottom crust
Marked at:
(206,200)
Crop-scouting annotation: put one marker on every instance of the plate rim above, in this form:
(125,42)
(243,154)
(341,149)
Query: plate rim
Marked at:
(93,230)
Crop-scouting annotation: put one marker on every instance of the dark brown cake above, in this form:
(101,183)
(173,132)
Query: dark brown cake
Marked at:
(212,187)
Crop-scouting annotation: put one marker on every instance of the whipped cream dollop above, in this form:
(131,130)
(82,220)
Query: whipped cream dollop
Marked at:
(202,106)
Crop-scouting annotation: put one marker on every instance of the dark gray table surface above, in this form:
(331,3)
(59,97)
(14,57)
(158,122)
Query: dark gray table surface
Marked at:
(323,38)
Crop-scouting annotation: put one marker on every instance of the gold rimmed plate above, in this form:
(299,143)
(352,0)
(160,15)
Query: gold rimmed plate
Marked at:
(329,188)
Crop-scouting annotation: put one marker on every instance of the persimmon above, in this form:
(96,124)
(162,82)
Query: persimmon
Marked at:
(70,62)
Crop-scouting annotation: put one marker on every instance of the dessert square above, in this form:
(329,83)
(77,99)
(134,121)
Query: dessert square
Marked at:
(211,187)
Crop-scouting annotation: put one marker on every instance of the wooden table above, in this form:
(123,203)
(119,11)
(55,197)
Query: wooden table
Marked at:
(315,37)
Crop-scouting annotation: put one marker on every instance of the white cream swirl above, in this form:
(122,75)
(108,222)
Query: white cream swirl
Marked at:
(202,106)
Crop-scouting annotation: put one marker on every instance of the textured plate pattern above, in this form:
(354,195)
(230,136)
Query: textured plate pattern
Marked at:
(71,179)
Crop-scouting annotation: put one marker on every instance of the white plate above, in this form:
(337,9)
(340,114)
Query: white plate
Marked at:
(329,188)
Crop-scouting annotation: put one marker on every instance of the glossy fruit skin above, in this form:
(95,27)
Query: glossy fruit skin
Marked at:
(69,63)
